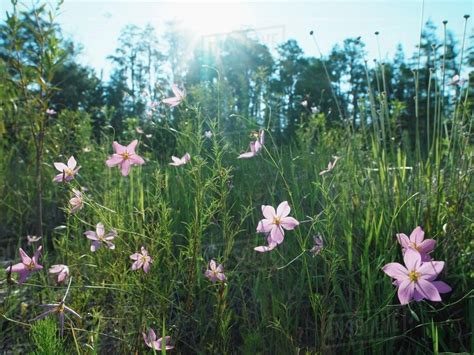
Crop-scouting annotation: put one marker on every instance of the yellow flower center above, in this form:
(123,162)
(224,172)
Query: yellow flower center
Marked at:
(144,258)
(31,266)
(276,220)
(413,275)
(414,246)
(125,155)
(60,308)
(68,172)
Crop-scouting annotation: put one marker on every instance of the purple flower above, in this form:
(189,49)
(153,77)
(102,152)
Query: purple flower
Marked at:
(32,239)
(142,260)
(59,308)
(27,266)
(76,202)
(179,96)
(125,157)
(215,272)
(255,147)
(61,270)
(415,280)
(180,161)
(67,171)
(152,342)
(318,245)
(100,237)
(276,222)
(417,242)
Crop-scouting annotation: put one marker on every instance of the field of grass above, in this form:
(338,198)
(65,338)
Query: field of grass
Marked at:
(299,298)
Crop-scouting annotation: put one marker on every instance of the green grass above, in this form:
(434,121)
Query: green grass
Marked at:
(287,301)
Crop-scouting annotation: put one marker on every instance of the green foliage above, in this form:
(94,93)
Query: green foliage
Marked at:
(45,338)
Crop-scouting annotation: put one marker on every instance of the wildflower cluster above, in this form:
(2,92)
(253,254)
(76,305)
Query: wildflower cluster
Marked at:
(417,279)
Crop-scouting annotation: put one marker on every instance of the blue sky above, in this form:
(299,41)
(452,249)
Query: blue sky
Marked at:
(97,24)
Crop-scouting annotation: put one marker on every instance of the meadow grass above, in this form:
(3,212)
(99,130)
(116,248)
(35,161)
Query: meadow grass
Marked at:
(287,301)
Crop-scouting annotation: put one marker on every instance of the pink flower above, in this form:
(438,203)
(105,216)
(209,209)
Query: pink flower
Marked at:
(61,270)
(416,280)
(457,81)
(318,245)
(275,222)
(255,147)
(27,266)
(417,242)
(142,260)
(178,96)
(67,171)
(59,308)
(50,112)
(76,202)
(304,103)
(215,272)
(99,237)
(125,157)
(264,248)
(331,165)
(151,342)
(32,239)
(180,161)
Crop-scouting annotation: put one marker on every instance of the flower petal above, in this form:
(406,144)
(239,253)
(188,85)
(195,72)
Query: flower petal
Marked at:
(441,286)
(246,155)
(70,310)
(277,234)
(135,256)
(137,160)
(60,166)
(430,270)
(100,229)
(132,146)
(412,259)
(417,235)
(118,148)
(20,267)
(91,235)
(283,209)
(427,246)
(268,212)
(146,266)
(71,163)
(125,167)
(114,160)
(405,291)
(54,269)
(427,290)
(403,240)
(25,259)
(396,271)
(37,254)
(265,226)
(137,264)
(289,223)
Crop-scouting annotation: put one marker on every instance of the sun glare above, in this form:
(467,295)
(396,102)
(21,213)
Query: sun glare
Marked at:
(212,18)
